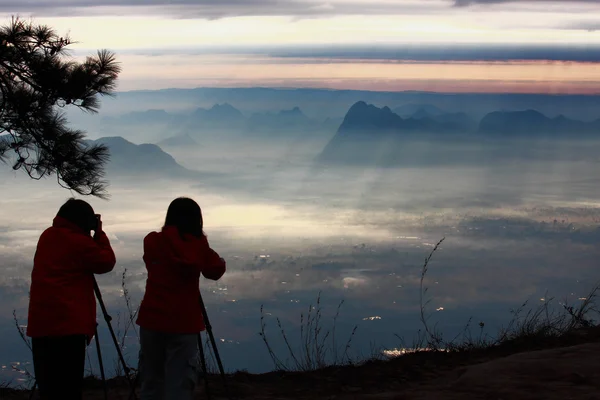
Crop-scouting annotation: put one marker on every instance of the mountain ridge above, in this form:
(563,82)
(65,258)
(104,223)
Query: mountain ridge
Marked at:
(127,158)
(363,118)
(534,123)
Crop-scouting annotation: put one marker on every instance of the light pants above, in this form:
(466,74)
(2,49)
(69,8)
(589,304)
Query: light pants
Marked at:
(168,365)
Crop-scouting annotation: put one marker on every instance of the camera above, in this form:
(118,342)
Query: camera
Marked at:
(95,223)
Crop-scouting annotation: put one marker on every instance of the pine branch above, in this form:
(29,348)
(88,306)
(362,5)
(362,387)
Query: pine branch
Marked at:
(36,80)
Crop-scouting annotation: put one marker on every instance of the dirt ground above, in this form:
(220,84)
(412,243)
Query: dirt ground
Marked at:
(566,368)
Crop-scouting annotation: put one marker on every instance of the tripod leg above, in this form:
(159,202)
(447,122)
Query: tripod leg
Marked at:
(101,364)
(108,318)
(204,369)
(214,345)
(33,389)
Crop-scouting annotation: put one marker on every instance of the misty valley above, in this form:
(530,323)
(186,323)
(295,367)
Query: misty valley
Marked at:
(334,195)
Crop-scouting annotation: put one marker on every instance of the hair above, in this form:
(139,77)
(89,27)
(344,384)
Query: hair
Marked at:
(79,212)
(185,214)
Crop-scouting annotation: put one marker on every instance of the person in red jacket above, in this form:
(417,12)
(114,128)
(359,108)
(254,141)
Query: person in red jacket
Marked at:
(170,316)
(62,306)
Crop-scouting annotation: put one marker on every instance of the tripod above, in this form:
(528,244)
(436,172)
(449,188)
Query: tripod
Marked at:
(108,318)
(215,350)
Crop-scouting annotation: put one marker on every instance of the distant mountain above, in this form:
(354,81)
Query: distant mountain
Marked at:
(534,123)
(367,119)
(373,135)
(448,121)
(417,111)
(455,122)
(284,120)
(178,141)
(128,159)
(295,116)
(148,117)
(147,126)
(367,135)
(362,115)
(221,121)
(420,115)
(219,112)
(219,116)
(323,103)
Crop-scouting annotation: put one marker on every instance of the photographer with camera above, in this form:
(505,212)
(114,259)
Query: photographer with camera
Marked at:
(62,306)
(170,316)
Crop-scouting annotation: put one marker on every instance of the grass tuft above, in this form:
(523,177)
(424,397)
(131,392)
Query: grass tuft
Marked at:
(318,347)
(528,326)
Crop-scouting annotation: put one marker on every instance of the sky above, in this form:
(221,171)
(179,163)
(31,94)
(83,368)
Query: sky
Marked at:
(434,45)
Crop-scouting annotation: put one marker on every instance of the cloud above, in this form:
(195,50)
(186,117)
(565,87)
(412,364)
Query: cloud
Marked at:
(435,53)
(590,26)
(463,3)
(215,9)
(352,53)
(299,9)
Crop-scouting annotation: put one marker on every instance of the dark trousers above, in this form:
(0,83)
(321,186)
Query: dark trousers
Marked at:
(58,363)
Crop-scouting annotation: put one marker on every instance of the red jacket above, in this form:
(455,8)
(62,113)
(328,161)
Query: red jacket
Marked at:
(174,264)
(62,300)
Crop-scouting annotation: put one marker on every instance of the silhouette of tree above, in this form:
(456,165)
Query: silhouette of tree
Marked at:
(37,80)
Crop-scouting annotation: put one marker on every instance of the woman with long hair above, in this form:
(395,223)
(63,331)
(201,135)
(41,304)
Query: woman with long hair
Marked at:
(170,315)
(62,306)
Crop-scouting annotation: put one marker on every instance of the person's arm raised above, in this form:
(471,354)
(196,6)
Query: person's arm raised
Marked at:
(194,256)
(97,253)
(214,266)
